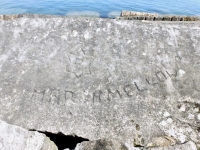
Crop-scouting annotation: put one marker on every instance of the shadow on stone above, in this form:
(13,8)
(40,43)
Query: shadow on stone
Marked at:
(63,141)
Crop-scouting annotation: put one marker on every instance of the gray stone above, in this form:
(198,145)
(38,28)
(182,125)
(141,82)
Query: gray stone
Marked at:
(190,18)
(182,18)
(98,78)
(102,144)
(162,141)
(150,18)
(133,18)
(105,144)
(141,18)
(186,146)
(158,18)
(197,18)
(167,18)
(10,17)
(125,13)
(121,18)
(17,138)
(175,18)
(133,13)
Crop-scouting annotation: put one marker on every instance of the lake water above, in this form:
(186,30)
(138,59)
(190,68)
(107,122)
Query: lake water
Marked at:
(99,8)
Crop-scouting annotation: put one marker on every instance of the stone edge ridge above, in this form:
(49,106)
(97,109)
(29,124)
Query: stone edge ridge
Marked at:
(131,15)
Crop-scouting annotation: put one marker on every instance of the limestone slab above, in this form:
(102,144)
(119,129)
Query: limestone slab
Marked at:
(17,138)
(99,78)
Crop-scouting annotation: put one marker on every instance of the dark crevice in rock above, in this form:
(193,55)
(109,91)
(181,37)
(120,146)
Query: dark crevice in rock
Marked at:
(63,141)
(138,146)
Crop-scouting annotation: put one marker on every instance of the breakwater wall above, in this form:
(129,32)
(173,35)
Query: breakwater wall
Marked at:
(131,15)
(98,78)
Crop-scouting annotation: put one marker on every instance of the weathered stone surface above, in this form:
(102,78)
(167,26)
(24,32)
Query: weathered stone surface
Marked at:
(166,18)
(141,18)
(105,144)
(150,18)
(9,17)
(162,141)
(100,78)
(16,138)
(158,18)
(188,19)
(175,18)
(102,144)
(131,15)
(186,146)
(126,13)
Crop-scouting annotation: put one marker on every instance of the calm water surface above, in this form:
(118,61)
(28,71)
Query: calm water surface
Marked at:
(99,8)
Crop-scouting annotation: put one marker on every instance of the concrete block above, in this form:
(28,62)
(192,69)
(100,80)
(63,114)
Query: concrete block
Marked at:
(125,13)
(166,18)
(175,18)
(141,17)
(133,18)
(150,18)
(158,18)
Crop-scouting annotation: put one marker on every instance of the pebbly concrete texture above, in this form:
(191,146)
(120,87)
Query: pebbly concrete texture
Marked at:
(125,80)
(17,138)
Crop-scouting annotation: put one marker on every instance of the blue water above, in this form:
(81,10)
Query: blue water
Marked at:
(99,8)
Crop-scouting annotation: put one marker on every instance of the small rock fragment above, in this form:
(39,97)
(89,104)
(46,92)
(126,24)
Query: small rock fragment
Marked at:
(162,141)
